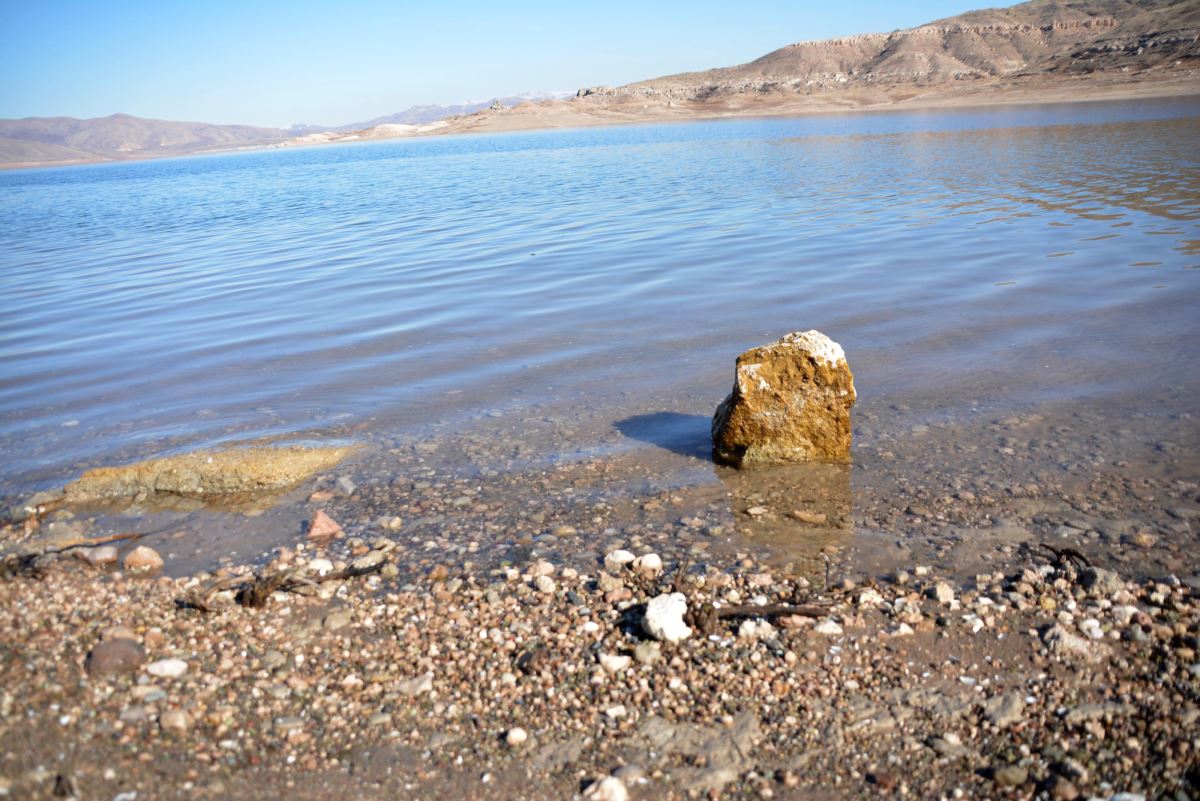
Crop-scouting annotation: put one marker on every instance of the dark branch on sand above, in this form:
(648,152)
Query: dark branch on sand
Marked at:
(254,590)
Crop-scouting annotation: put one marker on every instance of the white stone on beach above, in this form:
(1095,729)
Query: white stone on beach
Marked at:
(941,592)
(755,630)
(616,560)
(829,628)
(650,564)
(320,566)
(614,663)
(167,668)
(664,617)
(610,788)
(516,736)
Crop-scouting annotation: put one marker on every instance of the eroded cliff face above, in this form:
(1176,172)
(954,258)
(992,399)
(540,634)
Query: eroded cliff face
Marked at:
(1022,41)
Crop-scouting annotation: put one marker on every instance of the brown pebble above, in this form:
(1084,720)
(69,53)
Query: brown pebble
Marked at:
(1062,788)
(116,655)
(143,560)
(884,781)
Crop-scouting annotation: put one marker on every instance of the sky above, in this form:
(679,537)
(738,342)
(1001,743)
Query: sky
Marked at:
(282,62)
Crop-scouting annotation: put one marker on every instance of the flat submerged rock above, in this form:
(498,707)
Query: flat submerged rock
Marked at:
(201,474)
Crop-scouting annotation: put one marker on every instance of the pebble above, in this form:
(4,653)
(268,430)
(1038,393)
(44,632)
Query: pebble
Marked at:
(1004,710)
(320,566)
(615,561)
(416,685)
(1061,788)
(610,788)
(664,618)
(143,559)
(516,737)
(1100,581)
(614,663)
(288,724)
(942,592)
(541,568)
(117,655)
(323,527)
(755,630)
(174,720)
(650,565)
(337,619)
(647,652)
(99,556)
(1064,643)
(369,560)
(1010,776)
(829,628)
(167,668)
(545,585)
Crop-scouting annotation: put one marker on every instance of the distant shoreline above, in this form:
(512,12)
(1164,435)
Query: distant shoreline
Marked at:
(579,113)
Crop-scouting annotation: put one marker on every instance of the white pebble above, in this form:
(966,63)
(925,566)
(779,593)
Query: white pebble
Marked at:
(616,560)
(650,565)
(167,668)
(614,663)
(610,788)
(516,736)
(664,617)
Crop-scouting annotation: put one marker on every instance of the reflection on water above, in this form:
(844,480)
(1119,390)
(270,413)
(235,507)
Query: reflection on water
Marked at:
(794,511)
(965,260)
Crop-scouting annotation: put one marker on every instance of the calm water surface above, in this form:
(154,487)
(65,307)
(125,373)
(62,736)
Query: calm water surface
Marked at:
(1001,258)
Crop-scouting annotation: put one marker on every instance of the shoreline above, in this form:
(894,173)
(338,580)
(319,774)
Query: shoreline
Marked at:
(534,116)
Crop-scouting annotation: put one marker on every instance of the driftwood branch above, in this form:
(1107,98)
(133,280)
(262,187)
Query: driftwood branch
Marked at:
(255,589)
(707,618)
(26,562)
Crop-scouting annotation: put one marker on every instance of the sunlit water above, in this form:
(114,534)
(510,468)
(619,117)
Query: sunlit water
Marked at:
(998,258)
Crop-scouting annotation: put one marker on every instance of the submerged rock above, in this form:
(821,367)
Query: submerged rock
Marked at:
(204,474)
(790,402)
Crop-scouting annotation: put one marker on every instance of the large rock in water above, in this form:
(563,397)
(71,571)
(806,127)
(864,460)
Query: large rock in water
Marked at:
(790,402)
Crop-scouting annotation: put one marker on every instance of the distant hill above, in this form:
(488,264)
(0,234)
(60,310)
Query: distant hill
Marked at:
(418,115)
(1042,37)
(1039,50)
(42,139)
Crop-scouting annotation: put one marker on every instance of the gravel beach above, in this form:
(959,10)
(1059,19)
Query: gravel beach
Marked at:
(1050,678)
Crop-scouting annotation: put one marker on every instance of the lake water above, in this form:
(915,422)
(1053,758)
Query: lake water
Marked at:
(598,282)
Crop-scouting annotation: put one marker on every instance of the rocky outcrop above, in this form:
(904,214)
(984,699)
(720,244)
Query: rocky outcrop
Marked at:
(790,402)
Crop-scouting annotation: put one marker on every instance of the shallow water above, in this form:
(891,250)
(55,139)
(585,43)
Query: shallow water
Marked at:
(583,293)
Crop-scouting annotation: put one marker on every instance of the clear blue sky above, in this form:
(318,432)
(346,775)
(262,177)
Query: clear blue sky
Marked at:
(278,62)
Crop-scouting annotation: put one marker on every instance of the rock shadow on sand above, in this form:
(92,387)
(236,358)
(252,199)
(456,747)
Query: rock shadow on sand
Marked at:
(684,434)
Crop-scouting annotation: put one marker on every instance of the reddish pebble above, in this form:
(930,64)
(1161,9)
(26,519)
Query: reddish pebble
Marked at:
(143,560)
(323,527)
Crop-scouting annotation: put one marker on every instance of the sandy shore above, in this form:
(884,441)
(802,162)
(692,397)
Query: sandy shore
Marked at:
(603,110)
